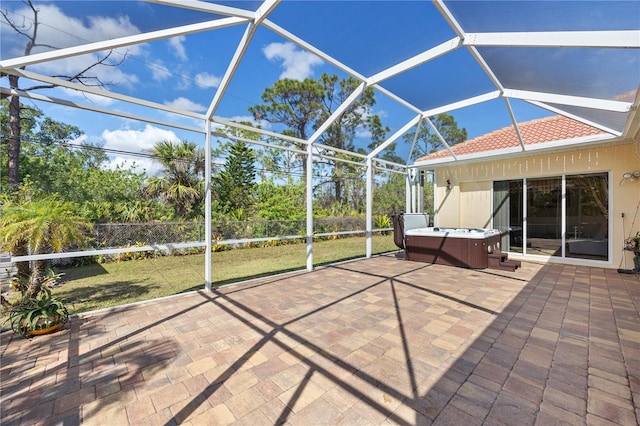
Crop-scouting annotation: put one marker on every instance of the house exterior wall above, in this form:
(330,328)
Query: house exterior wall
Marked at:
(468,202)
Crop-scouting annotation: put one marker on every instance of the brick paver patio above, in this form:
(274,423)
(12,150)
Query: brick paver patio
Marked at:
(376,341)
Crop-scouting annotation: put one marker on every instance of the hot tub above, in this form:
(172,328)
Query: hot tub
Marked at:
(465,247)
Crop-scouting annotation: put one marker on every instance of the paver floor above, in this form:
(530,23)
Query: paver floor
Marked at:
(375,341)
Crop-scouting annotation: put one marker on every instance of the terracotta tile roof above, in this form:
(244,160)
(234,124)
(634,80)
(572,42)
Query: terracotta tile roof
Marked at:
(547,129)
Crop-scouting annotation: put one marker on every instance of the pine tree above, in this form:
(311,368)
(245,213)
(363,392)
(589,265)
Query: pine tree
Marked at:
(235,184)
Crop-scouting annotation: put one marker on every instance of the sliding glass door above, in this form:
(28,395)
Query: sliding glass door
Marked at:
(587,216)
(536,218)
(544,216)
(507,213)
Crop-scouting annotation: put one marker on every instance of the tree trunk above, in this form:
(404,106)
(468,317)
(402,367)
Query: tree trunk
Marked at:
(13,152)
(24,268)
(38,275)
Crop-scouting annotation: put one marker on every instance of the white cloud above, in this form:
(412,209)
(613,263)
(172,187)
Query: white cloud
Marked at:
(297,64)
(207,81)
(177,45)
(158,71)
(138,141)
(186,104)
(59,30)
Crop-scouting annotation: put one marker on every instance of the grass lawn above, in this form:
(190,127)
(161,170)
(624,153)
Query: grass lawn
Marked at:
(99,286)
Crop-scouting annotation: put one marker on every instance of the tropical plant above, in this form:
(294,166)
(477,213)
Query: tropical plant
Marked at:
(41,226)
(181,180)
(382,221)
(31,315)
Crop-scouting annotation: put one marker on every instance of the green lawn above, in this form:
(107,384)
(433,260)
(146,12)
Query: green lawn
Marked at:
(99,286)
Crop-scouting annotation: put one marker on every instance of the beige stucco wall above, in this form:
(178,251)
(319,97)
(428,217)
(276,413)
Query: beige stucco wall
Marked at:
(468,203)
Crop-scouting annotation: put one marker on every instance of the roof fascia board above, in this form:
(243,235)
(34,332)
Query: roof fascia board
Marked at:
(118,42)
(419,59)
(575,117)
(578,101)
(304,45)
(462,104)
(513,152)
(207,7)
(101,92)
(115,113)
(592,39)
(395,136)
(337,113)
(543,146)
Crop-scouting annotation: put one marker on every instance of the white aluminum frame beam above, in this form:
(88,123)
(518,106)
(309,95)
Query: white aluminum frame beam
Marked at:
(419,59)
(575,117)
(202,6)
(118,42)
(58,101)
(103,93)
(578,101)
(266,8)
(439,135)
(586,39)
(337,113)
(311,48)
(514,122)
(463,103)
(394,137)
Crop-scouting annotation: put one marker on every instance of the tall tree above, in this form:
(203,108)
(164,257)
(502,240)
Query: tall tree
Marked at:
(295,104)
(235,184)
(181,180)
(429,142)
(28,28)
(302,107)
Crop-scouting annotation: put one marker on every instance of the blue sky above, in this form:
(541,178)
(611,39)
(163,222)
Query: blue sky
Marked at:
(367,36)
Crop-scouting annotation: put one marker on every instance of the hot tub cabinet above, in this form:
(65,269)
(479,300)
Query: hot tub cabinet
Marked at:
(465,247)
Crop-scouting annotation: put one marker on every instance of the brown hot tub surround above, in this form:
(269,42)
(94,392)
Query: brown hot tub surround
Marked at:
(464,247)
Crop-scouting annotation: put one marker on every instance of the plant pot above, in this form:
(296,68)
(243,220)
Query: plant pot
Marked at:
(47,330)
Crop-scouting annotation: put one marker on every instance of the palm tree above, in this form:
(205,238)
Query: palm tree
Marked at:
(41,226)
(181,182)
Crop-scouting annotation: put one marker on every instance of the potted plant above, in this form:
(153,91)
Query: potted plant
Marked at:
(38,226)
(43,314)
(633,244)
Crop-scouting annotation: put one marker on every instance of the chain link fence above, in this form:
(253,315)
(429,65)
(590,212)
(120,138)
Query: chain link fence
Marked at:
(110,235)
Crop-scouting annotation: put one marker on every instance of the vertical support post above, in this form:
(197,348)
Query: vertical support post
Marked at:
(563,213)
(420,185)
(309,207)
(413,192)
(369,209)
(207,207)
(407,207)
